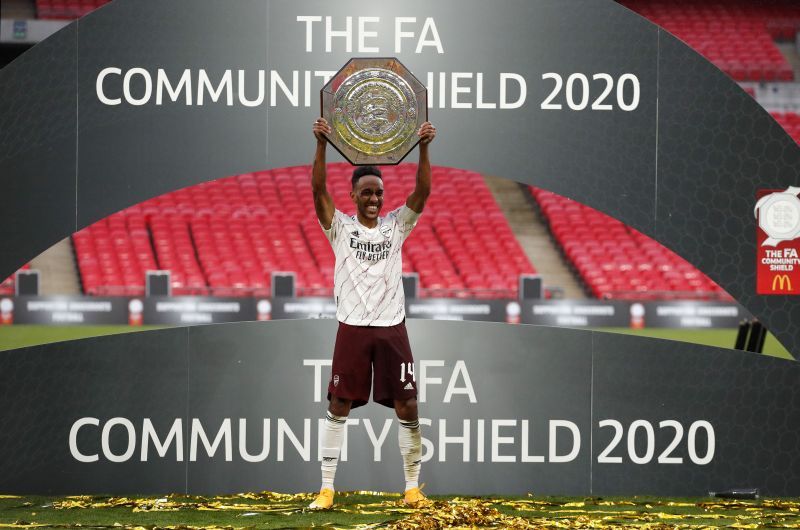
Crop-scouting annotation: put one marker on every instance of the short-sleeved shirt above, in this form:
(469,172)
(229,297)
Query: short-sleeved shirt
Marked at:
(368,279)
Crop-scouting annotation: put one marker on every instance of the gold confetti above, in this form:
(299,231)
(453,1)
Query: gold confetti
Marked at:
(460,512)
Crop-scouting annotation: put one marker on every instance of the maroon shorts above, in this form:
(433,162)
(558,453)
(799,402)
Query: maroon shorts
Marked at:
(363,350)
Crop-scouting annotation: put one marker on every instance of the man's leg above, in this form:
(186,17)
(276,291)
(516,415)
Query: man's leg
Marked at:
(332,436)
(410,441)
(351,376)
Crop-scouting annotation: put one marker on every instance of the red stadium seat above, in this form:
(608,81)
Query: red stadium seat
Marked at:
(226,237)
(791,122)
(736,35)
(616,261)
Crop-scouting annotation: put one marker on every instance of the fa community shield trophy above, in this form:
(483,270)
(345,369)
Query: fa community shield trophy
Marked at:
(374,107)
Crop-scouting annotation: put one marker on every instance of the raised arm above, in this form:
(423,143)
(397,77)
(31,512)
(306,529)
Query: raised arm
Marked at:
(323,202)
(416,201)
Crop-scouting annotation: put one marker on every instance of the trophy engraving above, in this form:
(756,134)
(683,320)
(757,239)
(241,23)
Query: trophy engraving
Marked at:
(375,107)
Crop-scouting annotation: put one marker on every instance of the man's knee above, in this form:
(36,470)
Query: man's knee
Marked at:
(339,406)
(406,409)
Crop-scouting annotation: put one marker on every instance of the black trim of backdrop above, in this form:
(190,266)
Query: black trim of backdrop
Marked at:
(683,167)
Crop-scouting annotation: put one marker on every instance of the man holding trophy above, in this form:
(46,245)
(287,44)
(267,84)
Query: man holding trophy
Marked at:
(369,110)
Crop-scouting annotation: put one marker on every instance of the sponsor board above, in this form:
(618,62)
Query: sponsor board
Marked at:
(577,313)
(778,241)
(64,310)
(457,309)
(312,307)
(188,310)
(677,314)
(504,410)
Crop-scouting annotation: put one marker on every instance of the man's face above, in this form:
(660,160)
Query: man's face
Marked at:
(368,196)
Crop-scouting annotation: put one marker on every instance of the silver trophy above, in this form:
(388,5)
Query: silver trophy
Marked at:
(374,107)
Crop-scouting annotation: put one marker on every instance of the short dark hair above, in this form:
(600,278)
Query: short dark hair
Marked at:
(365,170)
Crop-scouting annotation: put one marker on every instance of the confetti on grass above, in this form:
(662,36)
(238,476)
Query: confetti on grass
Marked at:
(366,510)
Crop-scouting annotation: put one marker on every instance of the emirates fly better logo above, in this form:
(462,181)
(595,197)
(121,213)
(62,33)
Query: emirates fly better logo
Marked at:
(778,238)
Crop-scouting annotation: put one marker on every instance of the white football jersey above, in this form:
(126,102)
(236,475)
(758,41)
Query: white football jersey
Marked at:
(368,279)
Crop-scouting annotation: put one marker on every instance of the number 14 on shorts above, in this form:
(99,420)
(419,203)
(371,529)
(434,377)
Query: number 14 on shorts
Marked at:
(407,369)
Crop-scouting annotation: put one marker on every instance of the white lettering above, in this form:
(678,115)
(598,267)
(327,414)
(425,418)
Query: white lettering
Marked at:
(444,440)
(73,440)
(247,457)
(479,95)
(309,20)
(377,441)
(317,364)
(204,84)
(455,90)
(498,440)
(424,380)
(467,389)
(429,27)
(481,450)
(525,456)
(347,34)
(104,439)
(292,95)
(363,34)
(523,90)
(399,34)
(175,433)
(99,86)
(303,449)
(576,441)
(185,84)
(148,86)
(224,433)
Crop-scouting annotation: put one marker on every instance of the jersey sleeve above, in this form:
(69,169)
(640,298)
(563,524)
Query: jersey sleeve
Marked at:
(336,227)
(406,219)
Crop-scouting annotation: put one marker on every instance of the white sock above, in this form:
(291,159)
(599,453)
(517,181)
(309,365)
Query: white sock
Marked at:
(410,440)
(332,436)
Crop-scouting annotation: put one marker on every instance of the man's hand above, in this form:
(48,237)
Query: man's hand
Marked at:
(426,133)
(321,128)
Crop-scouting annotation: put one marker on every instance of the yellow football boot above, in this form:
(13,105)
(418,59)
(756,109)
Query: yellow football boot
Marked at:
(415,498)
(324,500)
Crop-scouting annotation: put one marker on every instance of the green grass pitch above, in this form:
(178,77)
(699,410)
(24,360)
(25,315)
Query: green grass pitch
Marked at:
(376,511)
(369,510)
(22,335)
(372,510)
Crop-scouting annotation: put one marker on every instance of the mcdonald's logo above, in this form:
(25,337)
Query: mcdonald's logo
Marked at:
(782,281)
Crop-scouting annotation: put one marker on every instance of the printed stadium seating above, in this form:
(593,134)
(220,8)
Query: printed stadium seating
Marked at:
(791,122)
(66,9)
(736,35)
(7,285)
(225,237)
(617,262)
(113,255)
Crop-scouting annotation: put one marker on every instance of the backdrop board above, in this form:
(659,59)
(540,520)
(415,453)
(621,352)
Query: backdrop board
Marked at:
(693,314)
(70,310)
(586,99)
(189,310)
(307,307)
(577,313)
(456,309)
(505,410)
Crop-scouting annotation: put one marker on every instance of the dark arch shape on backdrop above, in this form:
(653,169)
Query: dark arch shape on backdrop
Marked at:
(682,167)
